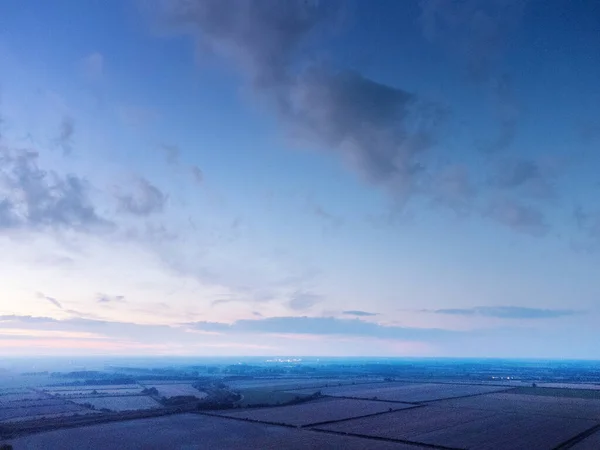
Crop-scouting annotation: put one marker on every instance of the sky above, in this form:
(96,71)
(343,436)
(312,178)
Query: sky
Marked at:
(352,178)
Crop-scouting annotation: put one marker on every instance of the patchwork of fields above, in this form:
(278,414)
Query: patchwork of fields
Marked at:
(321,411)
(353,415)
(406,392)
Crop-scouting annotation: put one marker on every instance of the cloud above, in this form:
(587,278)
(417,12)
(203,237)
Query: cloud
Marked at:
(144,200)
(475,30)
(509,312)
(325,326)
(359,313)
(197,174)
(377,129)
(533,178)
(105,298)
(171,153)
(519,217)
(34,198)
(51,300)
(452,187)
(329,218)
(65,137)
(93,66)
(301,301)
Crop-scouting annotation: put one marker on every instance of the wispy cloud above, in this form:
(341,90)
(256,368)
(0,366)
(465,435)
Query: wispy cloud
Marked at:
(105,298)
(518,216)
(359,313)
(143,199)
(35,198)
(49,299)
(65,136)
(171,153)
(325,326)
(197,175)
(301,301)
(509,312)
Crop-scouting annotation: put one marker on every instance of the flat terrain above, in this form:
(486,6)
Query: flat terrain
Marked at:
(173,390)
(590,443)
(193,431)
(577,408)
(316,412)
(408,392)
(119,403)
(466,428)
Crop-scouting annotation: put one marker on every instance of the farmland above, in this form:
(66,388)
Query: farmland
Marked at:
(466,428)
(530,404)
(174,390)
(408,392)
(194,432)
(320,411)
(227,407)
(119,403)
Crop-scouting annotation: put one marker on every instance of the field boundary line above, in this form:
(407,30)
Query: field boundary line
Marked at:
(578,438)
(426,402)
(245,419)
(328,422)
(385,439)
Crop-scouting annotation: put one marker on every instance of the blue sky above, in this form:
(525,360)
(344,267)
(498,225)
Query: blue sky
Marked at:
(232,177)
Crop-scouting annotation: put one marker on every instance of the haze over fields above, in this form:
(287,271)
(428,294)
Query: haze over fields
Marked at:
(354,178)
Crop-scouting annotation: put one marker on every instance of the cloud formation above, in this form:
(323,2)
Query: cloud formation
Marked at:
(65,136)
(171,153)
(377,129)
(105,298)
(34,198)
(49,299)
(326,326)
(143,200)
(518,216)
(509,312)
(359,313)
(301,301)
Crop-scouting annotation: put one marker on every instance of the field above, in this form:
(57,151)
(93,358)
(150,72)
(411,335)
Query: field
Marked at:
(6,398)
(79,392)
(173,390)
(408,392)
(251,397)
(192,431)
(316,412)
(530,404)
(590,443)
(91,387)
(289,383)
(466,428)
(558,392)
(28,412)
(119,403)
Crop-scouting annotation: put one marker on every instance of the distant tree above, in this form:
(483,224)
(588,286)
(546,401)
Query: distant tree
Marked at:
(6,447)
(533,384)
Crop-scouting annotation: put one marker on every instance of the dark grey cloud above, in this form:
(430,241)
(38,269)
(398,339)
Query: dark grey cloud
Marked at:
(325,326)
(65,136)
(520,217)
(301,301)
(171,153)
(49,299)
(143,200)
(359,313)
(34,198)
(377,129)
(105,298)
(509,312)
